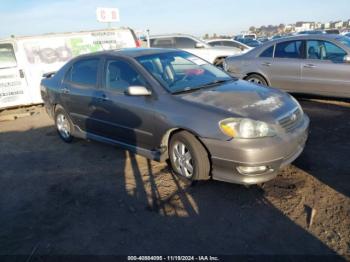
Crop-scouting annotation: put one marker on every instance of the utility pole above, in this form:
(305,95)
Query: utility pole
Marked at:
(148,41)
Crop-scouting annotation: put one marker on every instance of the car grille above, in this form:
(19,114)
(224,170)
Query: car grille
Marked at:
(291,121)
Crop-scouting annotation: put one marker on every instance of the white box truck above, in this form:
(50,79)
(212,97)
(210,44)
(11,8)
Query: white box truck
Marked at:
(24,60)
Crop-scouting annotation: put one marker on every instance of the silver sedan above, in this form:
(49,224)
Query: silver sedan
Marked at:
(312,64)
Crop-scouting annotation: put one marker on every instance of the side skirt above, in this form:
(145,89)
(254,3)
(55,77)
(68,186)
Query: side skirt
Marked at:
(156,155)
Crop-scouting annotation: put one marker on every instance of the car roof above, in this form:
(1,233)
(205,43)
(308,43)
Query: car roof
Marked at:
(133,52)
(305,37)
(325,37)
(221,39)
(173,35)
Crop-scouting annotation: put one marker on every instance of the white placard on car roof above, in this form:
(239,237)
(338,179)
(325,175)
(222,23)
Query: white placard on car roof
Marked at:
(107,15)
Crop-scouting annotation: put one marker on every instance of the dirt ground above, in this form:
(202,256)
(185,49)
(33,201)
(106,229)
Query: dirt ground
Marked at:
(91,198)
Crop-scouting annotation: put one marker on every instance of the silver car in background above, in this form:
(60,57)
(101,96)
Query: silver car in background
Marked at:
(311,64)
(228,43)
(193,45)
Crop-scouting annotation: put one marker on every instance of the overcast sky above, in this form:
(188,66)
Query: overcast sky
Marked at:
(27,17)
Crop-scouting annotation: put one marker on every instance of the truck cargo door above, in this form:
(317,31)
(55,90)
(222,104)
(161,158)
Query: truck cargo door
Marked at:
(13,86)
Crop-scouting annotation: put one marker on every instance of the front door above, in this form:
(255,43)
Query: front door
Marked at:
(127,119)
(13,86)
(324,70)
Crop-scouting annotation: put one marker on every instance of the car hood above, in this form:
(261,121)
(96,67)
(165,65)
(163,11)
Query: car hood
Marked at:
(242,99)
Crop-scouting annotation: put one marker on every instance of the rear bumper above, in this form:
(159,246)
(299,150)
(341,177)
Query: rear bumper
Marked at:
(273,153)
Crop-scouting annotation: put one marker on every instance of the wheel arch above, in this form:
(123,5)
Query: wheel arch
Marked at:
(170,132)
(260,74)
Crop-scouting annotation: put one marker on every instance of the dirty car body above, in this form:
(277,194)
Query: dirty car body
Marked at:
(248,132)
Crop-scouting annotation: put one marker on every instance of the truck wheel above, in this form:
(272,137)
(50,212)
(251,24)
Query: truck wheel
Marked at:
(64,125)
(256,79)
(188,157)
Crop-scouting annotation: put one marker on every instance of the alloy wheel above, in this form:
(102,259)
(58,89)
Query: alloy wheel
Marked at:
(63,126)
(183,160)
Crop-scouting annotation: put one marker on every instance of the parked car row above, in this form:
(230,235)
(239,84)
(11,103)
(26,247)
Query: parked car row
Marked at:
(214,54)
(312,64)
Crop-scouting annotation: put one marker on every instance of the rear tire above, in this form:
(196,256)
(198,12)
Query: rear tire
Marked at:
(256,79)
(188,157)
(64,125)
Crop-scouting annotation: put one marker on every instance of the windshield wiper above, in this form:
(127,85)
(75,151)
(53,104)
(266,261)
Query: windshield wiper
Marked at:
(215,82)
(210,84)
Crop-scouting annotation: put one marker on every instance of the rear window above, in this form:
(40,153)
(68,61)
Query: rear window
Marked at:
(84,72)
(7,56)
(185,42)
(267,52)
(345,40)
(162,42)
(215,43)
(290,49)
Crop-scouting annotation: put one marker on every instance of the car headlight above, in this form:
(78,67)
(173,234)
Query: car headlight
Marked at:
(245,128)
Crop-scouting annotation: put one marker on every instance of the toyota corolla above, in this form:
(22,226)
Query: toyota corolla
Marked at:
(169,104)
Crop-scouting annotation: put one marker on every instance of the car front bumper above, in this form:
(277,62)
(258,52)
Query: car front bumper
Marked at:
(270,152)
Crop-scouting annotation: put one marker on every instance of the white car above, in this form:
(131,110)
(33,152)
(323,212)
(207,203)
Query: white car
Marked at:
(229,43)
(193,45)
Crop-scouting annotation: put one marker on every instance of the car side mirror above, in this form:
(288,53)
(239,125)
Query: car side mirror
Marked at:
(199,45)
(347,59)
(138,91)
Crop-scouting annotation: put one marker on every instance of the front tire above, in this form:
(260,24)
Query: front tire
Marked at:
(64,125)
(188,157)
(256,79)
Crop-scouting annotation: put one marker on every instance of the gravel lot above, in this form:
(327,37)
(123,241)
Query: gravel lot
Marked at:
(91,198)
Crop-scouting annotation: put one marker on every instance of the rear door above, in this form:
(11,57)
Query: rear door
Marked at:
(284,71)
(13,86)
(81,94)
(324,71)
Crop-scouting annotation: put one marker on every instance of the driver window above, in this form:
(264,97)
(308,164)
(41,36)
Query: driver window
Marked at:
(120,75)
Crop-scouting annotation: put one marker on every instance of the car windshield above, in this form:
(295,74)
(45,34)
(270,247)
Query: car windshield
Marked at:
(181,71)
(344,40)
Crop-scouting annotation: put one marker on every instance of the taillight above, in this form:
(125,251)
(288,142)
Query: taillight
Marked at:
(138,43)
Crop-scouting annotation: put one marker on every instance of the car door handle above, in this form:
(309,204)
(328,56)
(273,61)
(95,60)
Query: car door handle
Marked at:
(65,90)
(309,66)
(102,98)
(266,64)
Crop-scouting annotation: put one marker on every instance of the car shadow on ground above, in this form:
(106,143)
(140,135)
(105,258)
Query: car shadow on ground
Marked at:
(326,155)
(91,198)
